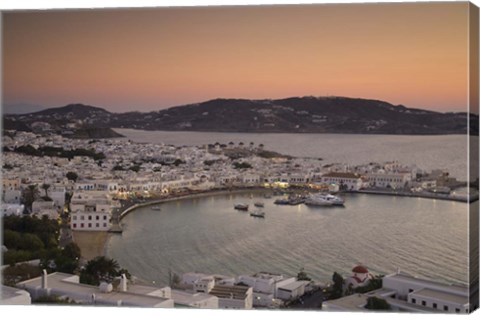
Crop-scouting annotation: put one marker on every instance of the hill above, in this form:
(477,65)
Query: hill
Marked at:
(293,115)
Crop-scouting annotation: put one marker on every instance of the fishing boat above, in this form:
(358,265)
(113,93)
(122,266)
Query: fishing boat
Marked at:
(241,206)
(258,214)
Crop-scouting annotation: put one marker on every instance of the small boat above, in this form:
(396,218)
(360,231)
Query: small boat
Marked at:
(267,196)
(241,206)
(157,208)
(259,204)
(258,214)
(282,202)
(295,201)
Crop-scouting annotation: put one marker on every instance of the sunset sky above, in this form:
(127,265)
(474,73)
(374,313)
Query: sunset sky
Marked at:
(149,59)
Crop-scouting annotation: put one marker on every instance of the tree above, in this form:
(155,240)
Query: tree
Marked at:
(46,187)
(100,269)
(72,176)
(337,285)
(374,303)
(72,251)
(30,194)
(302,276)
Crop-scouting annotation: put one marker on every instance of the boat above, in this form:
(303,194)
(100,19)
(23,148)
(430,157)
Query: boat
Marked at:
(267,196)
(156,208)
(282,202)
(241,206)
(318,200)
(258,214)
(324,200)
(295,201)
(259,204)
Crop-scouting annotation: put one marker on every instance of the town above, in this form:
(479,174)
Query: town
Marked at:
(88,185)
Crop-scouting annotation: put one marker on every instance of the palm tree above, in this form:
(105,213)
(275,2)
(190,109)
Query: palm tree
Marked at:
(46,187)
(100,269)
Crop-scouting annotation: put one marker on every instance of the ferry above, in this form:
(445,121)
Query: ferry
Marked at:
(258,214)
(241,206)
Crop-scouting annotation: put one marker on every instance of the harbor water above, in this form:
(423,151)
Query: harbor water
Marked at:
(423,237)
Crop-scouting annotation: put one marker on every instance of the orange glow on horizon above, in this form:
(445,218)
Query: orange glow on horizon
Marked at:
(413,54)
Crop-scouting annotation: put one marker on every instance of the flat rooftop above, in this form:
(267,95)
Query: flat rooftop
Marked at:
(185,298)
(9,292)
(443,296)
(352,302)
(66,283)
(458,289)
(292,286)
(228,291)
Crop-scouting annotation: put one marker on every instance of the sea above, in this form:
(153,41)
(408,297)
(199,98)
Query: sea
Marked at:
(423,237)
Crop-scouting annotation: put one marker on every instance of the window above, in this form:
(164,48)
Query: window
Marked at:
(104,217)
(414,301)
(89,225)
(74,217)
(81,225)
(82,217)
(434,305)
(97,217)
(89,217)
(97,225)
(410,290)
(424,303)
(457,310)
(445,308)
(104,224)
(74,225)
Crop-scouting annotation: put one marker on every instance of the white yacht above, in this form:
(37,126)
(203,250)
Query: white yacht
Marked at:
(324,200)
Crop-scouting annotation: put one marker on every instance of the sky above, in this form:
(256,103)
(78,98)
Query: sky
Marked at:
(415,54)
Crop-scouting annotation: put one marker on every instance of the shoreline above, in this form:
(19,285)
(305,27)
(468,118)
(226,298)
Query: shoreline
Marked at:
(101,242)
(190,196)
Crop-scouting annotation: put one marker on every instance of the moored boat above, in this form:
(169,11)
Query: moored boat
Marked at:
(258,214)
(241,206)
(259,204)
(281,202)
(157,208)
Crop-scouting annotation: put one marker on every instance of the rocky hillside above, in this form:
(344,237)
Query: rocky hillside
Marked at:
(299,114)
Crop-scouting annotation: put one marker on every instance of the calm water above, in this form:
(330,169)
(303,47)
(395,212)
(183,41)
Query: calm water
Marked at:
(427,152)
(423,237)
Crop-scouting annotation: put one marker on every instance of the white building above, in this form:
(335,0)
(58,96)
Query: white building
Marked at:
(389,180)
(350,181)
(263,286)
(11,209)
(68,285)
(90,212)
(360,277)
(290,289)
(196,300)
(233,296)
(429,294)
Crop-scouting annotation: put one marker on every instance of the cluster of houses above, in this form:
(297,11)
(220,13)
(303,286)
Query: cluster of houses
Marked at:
(131,170)
(405,293)
(400,291)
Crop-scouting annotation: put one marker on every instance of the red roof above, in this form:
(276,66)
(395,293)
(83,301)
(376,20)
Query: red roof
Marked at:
(360,269)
